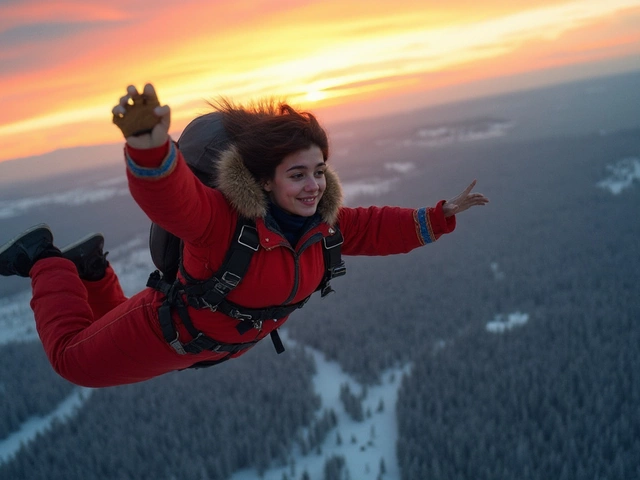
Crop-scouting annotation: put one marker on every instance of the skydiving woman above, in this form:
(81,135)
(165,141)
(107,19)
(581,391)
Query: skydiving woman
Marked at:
(273,179)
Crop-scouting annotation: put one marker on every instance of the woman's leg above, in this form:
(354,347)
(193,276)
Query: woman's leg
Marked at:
(101,282)
(105,294)
(123,346)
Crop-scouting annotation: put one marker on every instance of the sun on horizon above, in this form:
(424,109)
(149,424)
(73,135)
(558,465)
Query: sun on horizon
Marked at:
(343,60)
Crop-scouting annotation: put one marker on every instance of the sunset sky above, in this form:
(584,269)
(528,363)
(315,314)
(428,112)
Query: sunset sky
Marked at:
(64,64)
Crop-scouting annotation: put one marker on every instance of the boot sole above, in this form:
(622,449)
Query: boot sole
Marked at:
(45,233)
(82,241)
(23,234)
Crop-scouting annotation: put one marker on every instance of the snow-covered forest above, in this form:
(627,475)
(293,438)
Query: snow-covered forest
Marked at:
(508,349)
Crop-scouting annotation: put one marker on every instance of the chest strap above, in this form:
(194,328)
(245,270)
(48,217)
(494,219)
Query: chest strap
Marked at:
(199,341)
(211,294)
(334,265)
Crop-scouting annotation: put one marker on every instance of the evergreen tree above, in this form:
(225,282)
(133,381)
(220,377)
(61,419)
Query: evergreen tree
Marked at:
(383,467)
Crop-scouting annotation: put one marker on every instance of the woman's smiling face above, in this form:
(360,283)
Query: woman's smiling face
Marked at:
(299,182)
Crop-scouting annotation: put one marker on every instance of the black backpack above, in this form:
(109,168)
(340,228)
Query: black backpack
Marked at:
(201,143)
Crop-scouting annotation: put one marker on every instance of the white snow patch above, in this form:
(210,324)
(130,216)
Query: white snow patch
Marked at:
(501,322)
(75,197)
(30,429)
(110,182)
(376,186)
(400,167)
(352,190)
(497,273)
(376,436)
(621,175)
(471,131)
(493,130)
(440,345)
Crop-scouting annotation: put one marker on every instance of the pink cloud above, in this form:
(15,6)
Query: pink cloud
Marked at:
(69,56)
(33,12)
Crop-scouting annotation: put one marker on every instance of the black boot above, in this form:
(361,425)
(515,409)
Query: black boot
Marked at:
(19,254)
(88,256)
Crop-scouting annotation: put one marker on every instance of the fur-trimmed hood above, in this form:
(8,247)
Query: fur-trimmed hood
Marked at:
(248,197)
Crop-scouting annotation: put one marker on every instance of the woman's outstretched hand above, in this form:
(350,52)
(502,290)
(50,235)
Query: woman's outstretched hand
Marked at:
(464,201)
(143,122)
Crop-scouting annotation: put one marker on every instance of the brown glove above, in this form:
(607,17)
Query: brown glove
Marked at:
(139,118)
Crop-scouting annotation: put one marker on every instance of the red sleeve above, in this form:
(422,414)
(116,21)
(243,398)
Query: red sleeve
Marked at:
(148,157)
(170,194)
(391,230)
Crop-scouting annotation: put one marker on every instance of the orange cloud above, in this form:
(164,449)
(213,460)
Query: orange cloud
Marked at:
(58,91)
(26,13)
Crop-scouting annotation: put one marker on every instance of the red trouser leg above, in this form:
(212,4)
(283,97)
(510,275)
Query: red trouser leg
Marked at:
(123,346)
(105,294)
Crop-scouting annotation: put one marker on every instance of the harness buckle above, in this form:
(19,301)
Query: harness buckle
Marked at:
(326,290)
(205,343)
(177,346)
(227,282)
(238,315)
(221,288)
(230,279)
(251,238)
(211,307)
(338,271)
(333,241)
(244,317)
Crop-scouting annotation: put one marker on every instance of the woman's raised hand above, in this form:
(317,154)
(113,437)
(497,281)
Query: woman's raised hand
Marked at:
(143,122)
(464,201)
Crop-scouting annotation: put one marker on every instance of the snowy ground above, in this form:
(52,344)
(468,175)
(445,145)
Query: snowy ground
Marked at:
(100,192)
(622,174)
(35,425)
(502,323)
(363,444)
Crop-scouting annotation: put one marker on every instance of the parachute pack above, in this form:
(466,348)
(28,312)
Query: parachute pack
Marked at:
(201,143)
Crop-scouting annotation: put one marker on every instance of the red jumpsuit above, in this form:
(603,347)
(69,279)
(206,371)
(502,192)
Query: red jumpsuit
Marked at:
(94,336)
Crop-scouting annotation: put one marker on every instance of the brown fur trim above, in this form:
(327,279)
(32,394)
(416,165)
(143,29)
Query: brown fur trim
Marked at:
(331,200)
(239,187)
(248,197)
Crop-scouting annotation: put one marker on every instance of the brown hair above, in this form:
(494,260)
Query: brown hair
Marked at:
(264,133)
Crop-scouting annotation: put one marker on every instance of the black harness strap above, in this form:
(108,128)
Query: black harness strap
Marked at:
(199,342)
(207,294)
(334,264)
(211,294)
(255,317)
